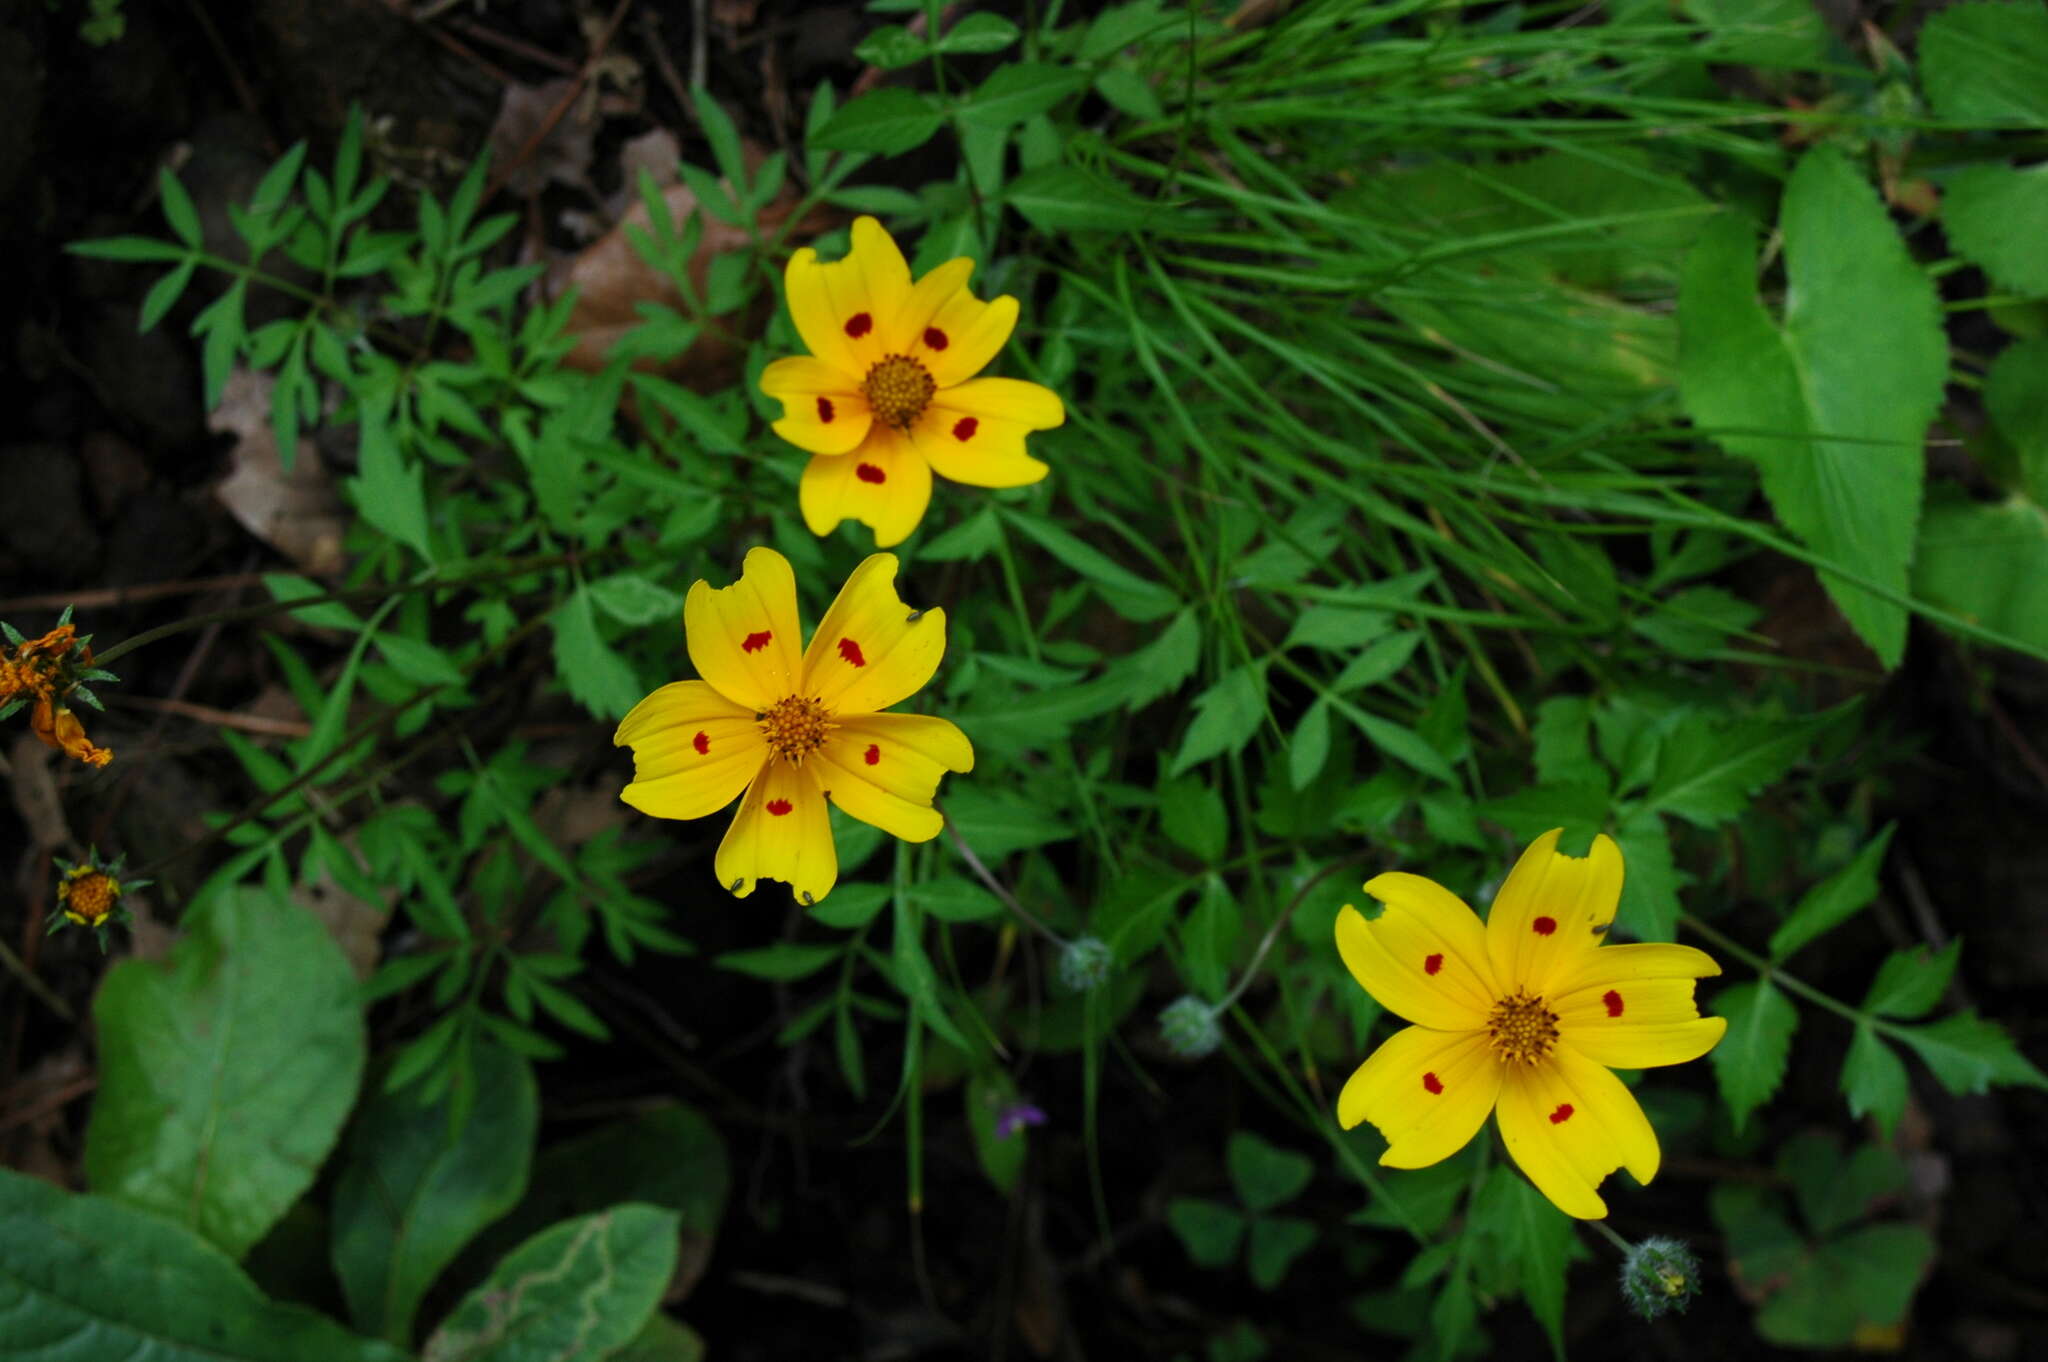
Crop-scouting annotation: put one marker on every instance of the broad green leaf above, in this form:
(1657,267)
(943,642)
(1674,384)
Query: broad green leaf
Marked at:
(1835,899)
(1563,734)
(1064,198)
(1988,562)
(574,1293)
(1275,1243)
(2016,395)
(1264,1174)
(420,1180)
(1982,63)
(1534,1236)
(1019,91)
(1767,33)
(1911,982)
(888,122)
(892,46)
(227,1069)
(1874,1080)
(1192,816)
(86,1279)
(391,494)
(1862,1280)
(1763,1246)
(1750,1060)
(1968,1054)
(1163,664)
(1990,213)
(1833,406)
(1707,774)
(599,678)
(663,1340)
(632,599)
(1226,716)
(1834,1192)
(978,33)
(1209,1232)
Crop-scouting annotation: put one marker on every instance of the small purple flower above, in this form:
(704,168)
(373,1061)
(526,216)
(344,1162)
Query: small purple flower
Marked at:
(1015,1117)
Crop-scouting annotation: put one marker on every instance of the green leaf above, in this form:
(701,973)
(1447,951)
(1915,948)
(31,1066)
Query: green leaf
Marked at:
(953,899)
(1862,1279)
(1750,1060)
(1835,899)
(1209,1232)
(663,1340)
(574,1293)
(1265,1175)
(391,494)
(419,1181)
(145,249)
(892,46)
(2016,395)
(1989,564)
(1968,1054)
(632,599)
(1768,33)
(1834,1192)
(783,961)
(601,680)
(85,1278)
(1563,734)
(1192,816)
(1275,1243)
(1989,214)
(1911,982)
(1982,63)
(1017,92)
(1707,774)
(1210,937)
(1226,716)
(1133,593)
(721,134)
(986,1095)
(283,586)
(850,905)
(1163,664)
(887,122)
(418,662)
(1403,744)
(996,822)
(164,294)
(1536,1238)
(1338,628)
(1309,749)
(1064,198)
(1834,406)
(1696,622)
(1874,1080)
(227,1069)
(178,209)
(980,32)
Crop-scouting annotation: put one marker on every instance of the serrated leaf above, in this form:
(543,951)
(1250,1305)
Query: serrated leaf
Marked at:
(595,673)
(420,1180)
(1969,1053)
(1750,1060)
(1911,982)
(1835,899)
(1988,562)
(1191,815)
(1982,63)
(391,494)
(1990,213)
(83,1278)
(887,122)
(1163,664)
(1226,716)
(1707,774)
(1832,406)
(1563,736)
(1536,1238)
(226,1069)
(2016,395)
(1874,1080)
(573,1293)
(632,599)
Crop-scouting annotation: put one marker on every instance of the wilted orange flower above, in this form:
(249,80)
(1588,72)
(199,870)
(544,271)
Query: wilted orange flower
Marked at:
(786,728)
(41,672)
(59,727)
(1523,1017)
(887,396)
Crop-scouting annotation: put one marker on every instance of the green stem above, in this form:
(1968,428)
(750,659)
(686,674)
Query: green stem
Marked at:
(20,970)
(1771,971)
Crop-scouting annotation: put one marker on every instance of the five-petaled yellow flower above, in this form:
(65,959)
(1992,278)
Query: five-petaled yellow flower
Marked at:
(790,728)
(887,396)
(1525,1016)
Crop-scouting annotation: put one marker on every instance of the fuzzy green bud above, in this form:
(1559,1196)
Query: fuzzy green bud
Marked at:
(1190,1027)
(1085,964)
(1659,1275)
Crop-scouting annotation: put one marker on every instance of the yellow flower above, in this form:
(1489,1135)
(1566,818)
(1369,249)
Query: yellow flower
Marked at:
(887,396)
(1525,1016)
(87,894)
(787,728)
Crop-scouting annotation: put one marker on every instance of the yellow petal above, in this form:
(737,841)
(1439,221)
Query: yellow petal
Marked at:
(975,331)
(1568,1123)
(884,769)
(884,484)
(872,650)
(1031,405)
(693,751)
(744,638)
(1427,1092)
(843,309)
(783,831)
(907,334)
(1424,958)
(821,411)
(977,450)
(1612,965)
(1552,911)
(1638,1011)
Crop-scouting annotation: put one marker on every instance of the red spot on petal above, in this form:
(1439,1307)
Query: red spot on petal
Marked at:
(867,472)
(1433,964)
(874,753)
(779,807)
(964,428)
(1562,1114)
(825,410)
(756,642)
(1544,926)
(702,742)
(1432,1084)
(850,650)
(935,339)
(1612,997)
(859,324)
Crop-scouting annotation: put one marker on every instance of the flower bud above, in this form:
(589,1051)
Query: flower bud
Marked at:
(1659,1274)
(1190,1027)
(1085,964)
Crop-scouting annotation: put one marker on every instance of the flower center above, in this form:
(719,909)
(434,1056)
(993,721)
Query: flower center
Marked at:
(91,897)
(794,726)
(898,388)
(1521,1028)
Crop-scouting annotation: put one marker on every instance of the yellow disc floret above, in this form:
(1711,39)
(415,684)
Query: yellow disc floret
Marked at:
(1522,1029)
(899,389)
(795,727)
(87,895)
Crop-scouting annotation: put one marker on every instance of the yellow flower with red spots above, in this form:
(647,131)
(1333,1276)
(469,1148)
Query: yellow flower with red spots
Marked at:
(788,729)
(1523,1017)
(888,395)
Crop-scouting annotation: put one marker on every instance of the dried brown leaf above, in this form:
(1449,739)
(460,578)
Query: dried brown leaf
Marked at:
(298,513)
